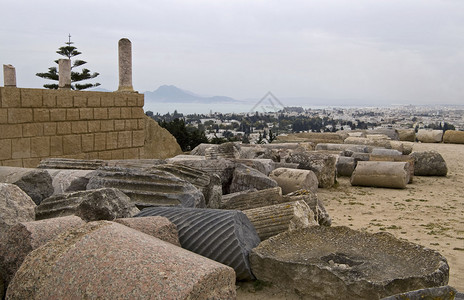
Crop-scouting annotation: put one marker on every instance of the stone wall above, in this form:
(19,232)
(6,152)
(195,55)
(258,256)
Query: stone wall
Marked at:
(40,123)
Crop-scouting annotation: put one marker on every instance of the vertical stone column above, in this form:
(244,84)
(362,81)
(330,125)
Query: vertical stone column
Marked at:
(125,66)
(64,71)
(9,76)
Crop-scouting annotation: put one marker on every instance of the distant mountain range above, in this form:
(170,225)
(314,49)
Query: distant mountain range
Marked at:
(173,94)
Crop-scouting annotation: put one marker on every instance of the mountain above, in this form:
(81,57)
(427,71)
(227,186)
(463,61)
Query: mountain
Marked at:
(173,94)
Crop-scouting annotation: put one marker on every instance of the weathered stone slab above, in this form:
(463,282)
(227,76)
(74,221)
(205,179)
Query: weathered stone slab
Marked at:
(343,147)
(135,163)
(15,206)
(321,216)
(245,178)
(369,142)
(407,135)
(148,187)
(381,151)
(345,166)
(265,166)
(70,163)
(106,260)
(36,183)
(68,180)
(323,165)
(434,293)
(401,158)
(429,136)
(251,199)
(381,174)
(341,263)
(226,236)
(389,133)
(274,219)
(453,137)
(90,205)
(429,163)
(24,237)
(156,226)
(291,180)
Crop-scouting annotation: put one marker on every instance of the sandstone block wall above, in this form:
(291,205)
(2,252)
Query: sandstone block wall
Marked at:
(40,123)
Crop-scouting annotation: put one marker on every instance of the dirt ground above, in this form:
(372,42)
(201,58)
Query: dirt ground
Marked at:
(429,212)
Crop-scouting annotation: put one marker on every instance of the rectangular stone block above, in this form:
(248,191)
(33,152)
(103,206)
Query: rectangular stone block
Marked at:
(131,124)
(41,114)
(3,115)
(79,127)
(91,155)
(132,100)
(88,142)
(63,128)
(124,139)
(13,163)
(80,101)
(120,100)
(5,149)
(40,146)
(56,145)
(93,101)
(31,97)
(19,115)
(141,123)
(141,101)
(107,125)
(126,112)
(72,144)
(100,113)
(72,114)
(58,114)
(138,138)
(114,113)
(119,125)
(49,128)
(105,155)
(111,140)
(11,97)
(32,129)
(94,126)
(137,113)
(100,141)
(117,154)
(107,100)
(64,99)
(31,162)
(8,131)
(131,153)
(86,113)
(49,98)
(21,148)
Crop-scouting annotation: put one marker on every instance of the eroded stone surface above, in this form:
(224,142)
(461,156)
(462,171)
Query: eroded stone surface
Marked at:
(291,180)
(251,199)
(156,226)
(341,263)
(245,178)
(321,216)
(429,163)
(106,260)
(453,137)
(71,163)
(429,136)
(65,181)
(381,174)
(435,293)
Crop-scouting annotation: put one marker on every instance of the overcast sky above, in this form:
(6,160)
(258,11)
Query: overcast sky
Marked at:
(396,51)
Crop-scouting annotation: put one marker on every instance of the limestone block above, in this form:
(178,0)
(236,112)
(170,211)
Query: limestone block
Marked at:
(68,180)
(226,236)
(24,237)
(245,178)
(251,199)
(453,137)
(15,206)
(228,150)
(321,216)
(156,226)
(90,205)
(381,174)
(345,166)
(407,135)
(429,163)
(434,293)
(399,146)
(369,142)
(429,136)
(321,262)
(342,147)
(382,151)
(407,147)
(36,183)
(389,133)
(401,158)
(274,219)
(148,187)
(291,180)
(159,143)
(9,76)
(323,165)
(106,260)
(265,166)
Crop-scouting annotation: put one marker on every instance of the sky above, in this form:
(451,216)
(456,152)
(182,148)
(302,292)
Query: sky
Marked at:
(379,51)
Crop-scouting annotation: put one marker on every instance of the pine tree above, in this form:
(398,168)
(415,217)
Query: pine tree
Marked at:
(70,51)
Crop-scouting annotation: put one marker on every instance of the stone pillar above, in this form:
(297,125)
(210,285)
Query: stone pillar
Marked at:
(64,71)
(125,66)
(9,76)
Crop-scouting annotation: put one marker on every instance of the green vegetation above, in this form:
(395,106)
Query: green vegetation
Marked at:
(187,137)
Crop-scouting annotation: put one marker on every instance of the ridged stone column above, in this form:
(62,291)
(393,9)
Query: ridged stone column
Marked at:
(9,76)
(125,65)
(64,71)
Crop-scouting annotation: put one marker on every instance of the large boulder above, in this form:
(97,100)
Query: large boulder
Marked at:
(156,226)
(322,164)
(90,205)
(407,135)
(15,206)
(340,263)
(429,163)
(291,180)
(381,174)
(429,136)
(226,236)
(68,180)
(453,137)
(24,237)
(36,183)
(106,260)
(245,178)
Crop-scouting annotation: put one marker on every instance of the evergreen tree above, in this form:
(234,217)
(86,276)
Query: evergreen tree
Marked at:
(70,51)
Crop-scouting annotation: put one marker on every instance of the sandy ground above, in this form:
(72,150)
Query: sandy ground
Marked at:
(429,212)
